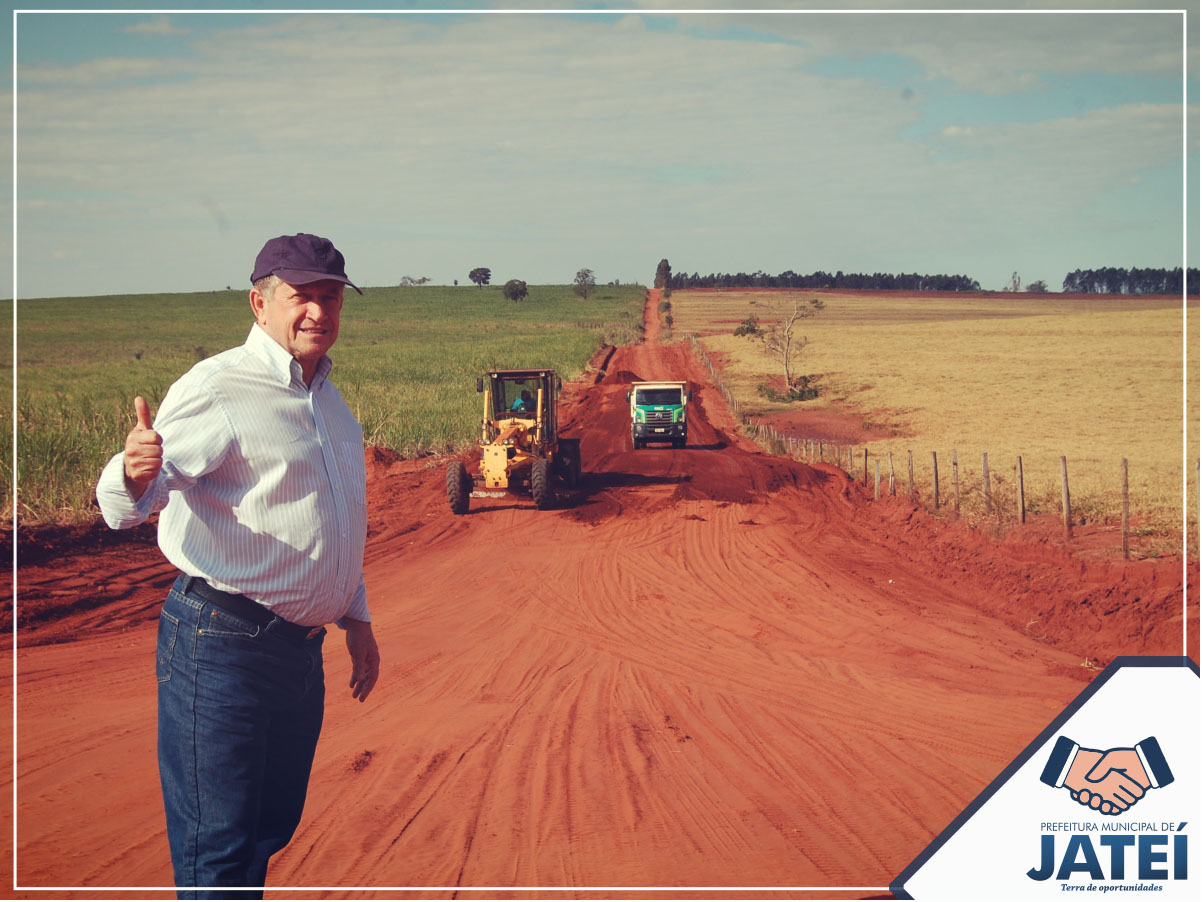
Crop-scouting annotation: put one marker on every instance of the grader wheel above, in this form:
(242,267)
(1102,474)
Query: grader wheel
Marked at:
(568,464)
(459,487)
(540,484)
(574,466)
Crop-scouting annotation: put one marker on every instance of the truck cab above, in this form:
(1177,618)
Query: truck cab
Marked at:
(658,413)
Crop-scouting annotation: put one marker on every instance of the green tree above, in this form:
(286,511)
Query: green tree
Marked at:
(749,328)
(663,275)
(515,289)
(584,284)
(480,275)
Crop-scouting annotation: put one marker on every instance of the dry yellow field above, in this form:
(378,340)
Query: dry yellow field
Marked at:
(1093,380)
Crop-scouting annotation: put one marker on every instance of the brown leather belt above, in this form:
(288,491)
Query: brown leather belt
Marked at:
(249,609)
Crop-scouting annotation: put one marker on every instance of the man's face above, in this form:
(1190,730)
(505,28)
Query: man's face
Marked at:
(303,319)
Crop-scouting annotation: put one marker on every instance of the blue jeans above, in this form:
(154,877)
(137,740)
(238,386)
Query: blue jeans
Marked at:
(240,709)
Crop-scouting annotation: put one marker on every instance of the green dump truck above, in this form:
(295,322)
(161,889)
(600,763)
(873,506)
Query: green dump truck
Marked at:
(659,413)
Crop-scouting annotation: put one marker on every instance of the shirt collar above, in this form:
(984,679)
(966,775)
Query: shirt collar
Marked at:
(282,364)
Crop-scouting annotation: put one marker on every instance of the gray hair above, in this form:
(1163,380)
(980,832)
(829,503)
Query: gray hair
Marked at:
(267,285)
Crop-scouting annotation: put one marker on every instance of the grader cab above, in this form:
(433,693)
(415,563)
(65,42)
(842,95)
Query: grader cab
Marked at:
(521,450)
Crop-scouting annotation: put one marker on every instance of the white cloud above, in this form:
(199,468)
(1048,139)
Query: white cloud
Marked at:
(100,72)
(156,25)
(990,52)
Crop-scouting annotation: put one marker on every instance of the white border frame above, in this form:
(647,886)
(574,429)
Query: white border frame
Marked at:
(510,890)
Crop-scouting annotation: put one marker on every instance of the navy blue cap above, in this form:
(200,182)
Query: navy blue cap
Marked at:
(300,259)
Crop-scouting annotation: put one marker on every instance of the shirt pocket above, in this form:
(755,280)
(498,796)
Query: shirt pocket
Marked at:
(276,440)
(280,483)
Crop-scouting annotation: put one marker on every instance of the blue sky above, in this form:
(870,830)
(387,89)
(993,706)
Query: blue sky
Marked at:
(157,151)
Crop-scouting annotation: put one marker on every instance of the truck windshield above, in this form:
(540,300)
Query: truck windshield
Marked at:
(653,397)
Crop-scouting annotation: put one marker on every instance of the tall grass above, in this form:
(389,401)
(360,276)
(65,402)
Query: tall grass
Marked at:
(1093,380)
(406,362)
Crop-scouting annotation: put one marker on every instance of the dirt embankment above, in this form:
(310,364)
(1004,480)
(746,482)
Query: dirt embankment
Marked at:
(709,667)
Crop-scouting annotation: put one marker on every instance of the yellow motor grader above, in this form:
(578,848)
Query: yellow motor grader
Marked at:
(520,448)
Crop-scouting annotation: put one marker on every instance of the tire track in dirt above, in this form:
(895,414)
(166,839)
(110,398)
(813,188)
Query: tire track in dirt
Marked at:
(711,667)
(696,683)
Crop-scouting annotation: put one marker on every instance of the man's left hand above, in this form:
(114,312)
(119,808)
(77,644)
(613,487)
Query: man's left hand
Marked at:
(365,657)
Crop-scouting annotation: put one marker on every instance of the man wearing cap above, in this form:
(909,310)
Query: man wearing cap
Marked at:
(256,463)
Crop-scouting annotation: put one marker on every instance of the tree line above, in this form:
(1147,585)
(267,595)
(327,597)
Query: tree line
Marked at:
(1114,280)
(1106,280)
(820,279)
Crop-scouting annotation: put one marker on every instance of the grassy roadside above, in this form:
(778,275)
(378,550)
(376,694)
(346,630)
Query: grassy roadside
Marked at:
(406,362)
(1094,380)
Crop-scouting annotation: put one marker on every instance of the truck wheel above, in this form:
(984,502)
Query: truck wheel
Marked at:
(540,484)
(637,444)
(459,487)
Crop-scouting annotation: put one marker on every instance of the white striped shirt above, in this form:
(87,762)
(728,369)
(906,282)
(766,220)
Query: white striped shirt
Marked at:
(263,490)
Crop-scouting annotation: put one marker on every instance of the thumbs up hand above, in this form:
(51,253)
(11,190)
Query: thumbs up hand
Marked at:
(143,451)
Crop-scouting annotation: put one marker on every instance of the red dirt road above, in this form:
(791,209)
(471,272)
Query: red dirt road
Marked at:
(712,667)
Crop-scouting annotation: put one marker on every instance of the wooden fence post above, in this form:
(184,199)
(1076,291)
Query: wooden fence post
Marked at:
(865,466)
(1022,499)
(910,455)
(985,482)
(1064,498)
(892,487)
(956,480)
(935,475)
(1126,516)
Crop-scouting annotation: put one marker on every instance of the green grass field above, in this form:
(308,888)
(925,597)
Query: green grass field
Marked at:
(406,362)
(1094,380)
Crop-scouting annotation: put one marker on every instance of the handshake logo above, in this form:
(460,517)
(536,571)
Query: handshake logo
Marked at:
(1108,781)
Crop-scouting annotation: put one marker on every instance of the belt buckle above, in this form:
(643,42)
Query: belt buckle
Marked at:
(312,634)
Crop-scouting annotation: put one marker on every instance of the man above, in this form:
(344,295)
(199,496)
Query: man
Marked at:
(525,401)
(256,463)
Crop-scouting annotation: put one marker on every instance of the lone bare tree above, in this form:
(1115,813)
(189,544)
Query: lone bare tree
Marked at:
(781,340)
